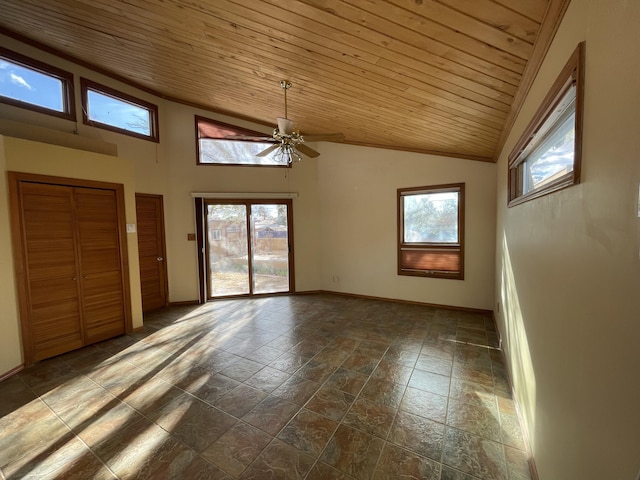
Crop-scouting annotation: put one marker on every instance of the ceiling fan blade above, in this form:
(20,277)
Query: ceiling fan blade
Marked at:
(268,150)
(324,137)
(285,125)
(248,138)
(308,151)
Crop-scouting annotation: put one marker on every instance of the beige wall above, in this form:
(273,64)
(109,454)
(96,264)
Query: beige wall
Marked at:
(183,177)
(35,157)
(10,343)
(168,169)
(568,271)
(358,188)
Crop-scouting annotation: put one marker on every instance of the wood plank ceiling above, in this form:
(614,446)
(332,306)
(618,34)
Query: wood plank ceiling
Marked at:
(420,75)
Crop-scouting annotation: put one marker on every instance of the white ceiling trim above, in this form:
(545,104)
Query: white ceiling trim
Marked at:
(248,195)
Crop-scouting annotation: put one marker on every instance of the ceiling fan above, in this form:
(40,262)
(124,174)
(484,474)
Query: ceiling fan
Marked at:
(288,142)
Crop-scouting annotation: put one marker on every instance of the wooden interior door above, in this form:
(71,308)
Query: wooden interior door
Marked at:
(99,255)
(151,251)
(51,274)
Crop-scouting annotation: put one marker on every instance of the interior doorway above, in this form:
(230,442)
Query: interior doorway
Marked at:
(248,247)
(151,251)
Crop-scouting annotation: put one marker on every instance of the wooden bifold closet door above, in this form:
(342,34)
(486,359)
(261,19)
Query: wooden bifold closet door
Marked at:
(71,265)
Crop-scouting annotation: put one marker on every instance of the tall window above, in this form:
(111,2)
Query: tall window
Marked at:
(215,147)
(36,86)
(431,231)
(547,157)
(106,108)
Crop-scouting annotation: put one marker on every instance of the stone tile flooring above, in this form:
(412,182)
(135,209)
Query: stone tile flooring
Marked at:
(302,387)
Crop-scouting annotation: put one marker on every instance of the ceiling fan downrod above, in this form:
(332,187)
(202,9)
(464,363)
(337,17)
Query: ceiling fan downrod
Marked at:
(285,85)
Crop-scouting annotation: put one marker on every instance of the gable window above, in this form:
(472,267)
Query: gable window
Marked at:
(547,157)
(431,231)
(103,107)
(214,147)
(36,86)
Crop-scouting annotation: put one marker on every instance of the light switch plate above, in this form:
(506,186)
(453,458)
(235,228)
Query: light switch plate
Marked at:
(131,228)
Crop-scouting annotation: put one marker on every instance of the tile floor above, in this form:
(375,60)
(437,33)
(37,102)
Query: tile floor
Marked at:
(303,387)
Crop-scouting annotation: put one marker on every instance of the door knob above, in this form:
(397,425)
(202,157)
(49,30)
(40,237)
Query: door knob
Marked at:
(160,259)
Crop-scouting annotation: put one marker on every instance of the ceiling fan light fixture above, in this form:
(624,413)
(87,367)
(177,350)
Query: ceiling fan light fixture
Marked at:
(287,154)
(287,140)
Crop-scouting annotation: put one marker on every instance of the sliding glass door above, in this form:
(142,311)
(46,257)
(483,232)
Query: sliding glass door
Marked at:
(228,250)
(248,247)
(270,247)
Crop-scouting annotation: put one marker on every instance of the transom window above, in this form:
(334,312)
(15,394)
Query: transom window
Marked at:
(214,147)
(431,231)
(36,86)
(103,107)
(548,155)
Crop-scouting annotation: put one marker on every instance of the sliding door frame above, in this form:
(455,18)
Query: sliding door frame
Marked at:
(203,251)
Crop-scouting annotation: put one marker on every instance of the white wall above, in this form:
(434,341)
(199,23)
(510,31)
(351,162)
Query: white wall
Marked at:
(568,272)
(358,188)
(344,216)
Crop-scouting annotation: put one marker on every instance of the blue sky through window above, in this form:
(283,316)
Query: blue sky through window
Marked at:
(118,113)
(30,86)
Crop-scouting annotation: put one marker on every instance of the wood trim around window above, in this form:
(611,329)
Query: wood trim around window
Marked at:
(572,73)
(436,260)
(224,129)
(68,96)
(86,85)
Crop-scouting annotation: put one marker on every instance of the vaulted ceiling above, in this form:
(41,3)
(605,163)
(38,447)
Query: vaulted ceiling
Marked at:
(439,76)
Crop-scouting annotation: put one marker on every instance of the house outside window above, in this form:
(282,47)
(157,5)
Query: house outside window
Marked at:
(431,231)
